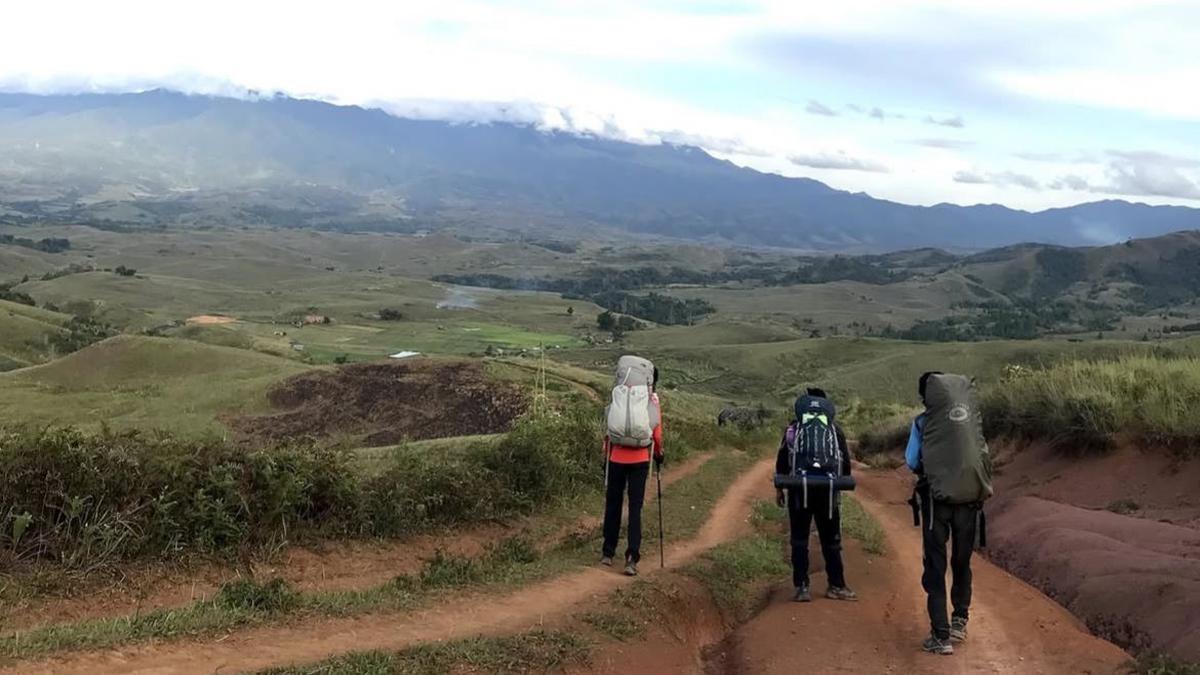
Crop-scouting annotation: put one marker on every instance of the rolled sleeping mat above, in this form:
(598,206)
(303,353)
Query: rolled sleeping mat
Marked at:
(815,482)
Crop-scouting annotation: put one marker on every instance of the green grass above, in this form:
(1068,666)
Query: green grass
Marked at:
(1082,405)
(132,382)
(874,371)
(25,333)
(731,571)
(536,651)
(860,525)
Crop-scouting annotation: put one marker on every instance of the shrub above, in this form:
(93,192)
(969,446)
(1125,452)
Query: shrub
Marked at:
(1082,405)
(884,438)
(87,501)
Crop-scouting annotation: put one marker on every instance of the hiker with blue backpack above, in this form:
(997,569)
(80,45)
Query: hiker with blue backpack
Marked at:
(948,452)
(811,467)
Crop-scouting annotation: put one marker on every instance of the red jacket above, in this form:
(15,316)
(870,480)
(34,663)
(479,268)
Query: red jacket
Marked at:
(620,454)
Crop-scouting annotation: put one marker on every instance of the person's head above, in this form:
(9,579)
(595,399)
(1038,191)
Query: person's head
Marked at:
(654,383)
(817,392)
(924,381)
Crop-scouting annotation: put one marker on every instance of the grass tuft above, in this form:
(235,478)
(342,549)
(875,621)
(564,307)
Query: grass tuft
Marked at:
(273,596)
(531,652)
(860,525)
(1157,664)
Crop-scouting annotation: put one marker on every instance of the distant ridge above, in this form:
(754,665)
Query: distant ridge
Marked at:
(165,158)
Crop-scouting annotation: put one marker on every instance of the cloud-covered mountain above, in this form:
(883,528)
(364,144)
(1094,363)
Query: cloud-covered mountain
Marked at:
(164,157)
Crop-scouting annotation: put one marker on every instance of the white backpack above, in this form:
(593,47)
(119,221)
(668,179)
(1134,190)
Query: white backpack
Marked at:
(633,413)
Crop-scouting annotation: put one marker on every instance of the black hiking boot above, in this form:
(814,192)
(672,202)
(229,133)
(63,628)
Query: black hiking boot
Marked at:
(958,629)
(630,567)
(802,594)
(936,645)
(606,560)
(840,593)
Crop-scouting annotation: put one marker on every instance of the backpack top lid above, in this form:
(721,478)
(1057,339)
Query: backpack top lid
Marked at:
(634,371)
(808,404)
(944,391)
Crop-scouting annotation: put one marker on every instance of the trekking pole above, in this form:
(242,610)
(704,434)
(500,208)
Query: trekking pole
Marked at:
(661,547)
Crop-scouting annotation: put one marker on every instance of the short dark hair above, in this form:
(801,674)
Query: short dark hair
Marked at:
(655,382)
(924,381)
(816,391)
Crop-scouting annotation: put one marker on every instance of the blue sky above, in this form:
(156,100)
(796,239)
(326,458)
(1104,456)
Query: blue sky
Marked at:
(1032,104)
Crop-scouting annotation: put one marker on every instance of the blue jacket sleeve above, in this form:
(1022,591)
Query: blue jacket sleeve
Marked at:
(912,454)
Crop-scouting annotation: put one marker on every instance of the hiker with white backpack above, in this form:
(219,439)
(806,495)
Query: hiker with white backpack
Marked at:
(813,463)
(633,438)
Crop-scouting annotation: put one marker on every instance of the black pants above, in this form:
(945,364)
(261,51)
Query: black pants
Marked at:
(622,478)
(829,529)
(957,523)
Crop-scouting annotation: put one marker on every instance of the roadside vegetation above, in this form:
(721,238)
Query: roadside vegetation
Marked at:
(1084,405)
(513,561)
(84,501)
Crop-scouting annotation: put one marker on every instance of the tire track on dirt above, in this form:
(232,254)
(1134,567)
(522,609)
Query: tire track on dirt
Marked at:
(476,614)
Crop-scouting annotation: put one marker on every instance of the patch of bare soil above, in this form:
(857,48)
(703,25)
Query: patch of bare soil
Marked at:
(1114,537)
(210,320)
(388,403)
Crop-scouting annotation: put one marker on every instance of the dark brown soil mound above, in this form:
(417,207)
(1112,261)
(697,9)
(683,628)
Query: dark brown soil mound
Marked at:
(387,403)
(1114,537)
(1133,581)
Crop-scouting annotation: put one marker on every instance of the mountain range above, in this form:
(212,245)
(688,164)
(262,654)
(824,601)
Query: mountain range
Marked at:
(166,159)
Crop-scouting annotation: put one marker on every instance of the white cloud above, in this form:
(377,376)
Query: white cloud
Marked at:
(580,66)
(839,161)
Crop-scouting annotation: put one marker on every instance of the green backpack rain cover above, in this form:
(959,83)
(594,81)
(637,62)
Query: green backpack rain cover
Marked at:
(954,452)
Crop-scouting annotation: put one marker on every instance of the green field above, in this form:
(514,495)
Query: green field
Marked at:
(131,382)
(762,344)
(24,334)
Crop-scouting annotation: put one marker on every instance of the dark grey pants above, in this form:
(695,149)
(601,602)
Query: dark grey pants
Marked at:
(955,523)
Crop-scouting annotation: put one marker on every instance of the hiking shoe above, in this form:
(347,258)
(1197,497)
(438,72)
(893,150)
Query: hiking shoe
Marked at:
(958,630)
(802,594)
(630,568)
(840,593)
(606,561)
(936,645)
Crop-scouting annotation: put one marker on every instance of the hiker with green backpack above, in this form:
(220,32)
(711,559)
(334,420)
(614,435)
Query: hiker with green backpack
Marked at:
(948,452)
(811,467)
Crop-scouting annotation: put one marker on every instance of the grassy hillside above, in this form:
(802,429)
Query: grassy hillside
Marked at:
(24,334)
(870,369)
(141,382)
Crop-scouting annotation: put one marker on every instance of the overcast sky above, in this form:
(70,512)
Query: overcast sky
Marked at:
(1029,103)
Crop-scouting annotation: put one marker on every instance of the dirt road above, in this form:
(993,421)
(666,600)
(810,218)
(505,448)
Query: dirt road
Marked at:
(476,614)
(1014,628)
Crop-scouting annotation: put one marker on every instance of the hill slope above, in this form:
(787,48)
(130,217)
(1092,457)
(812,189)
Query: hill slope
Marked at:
(146,383)
(24,334)
(126,158)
